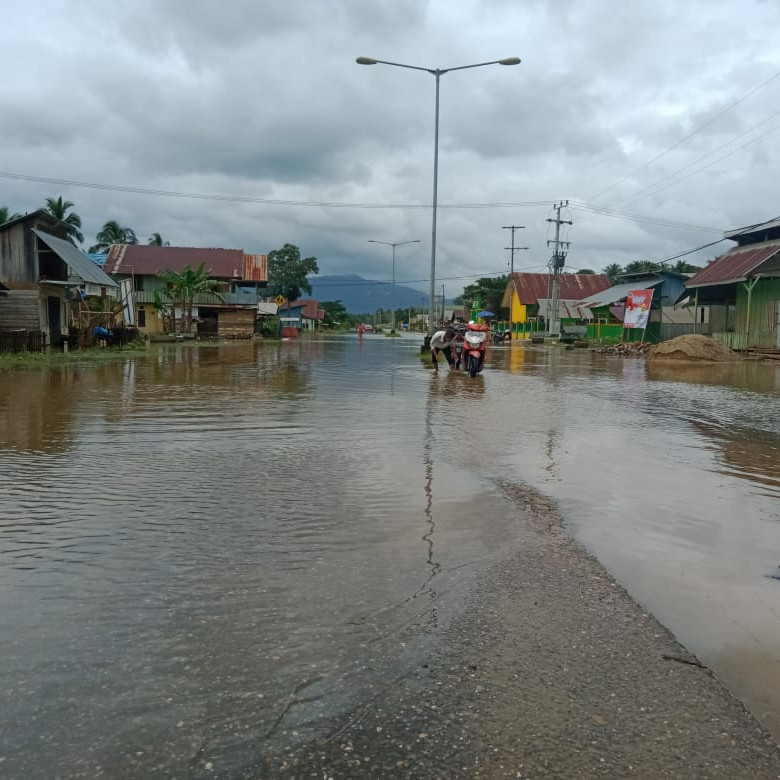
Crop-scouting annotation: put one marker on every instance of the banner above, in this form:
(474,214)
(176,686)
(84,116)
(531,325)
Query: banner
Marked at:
(637,308)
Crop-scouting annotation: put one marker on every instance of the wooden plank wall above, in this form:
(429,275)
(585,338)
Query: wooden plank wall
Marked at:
(236,323)
(19,309)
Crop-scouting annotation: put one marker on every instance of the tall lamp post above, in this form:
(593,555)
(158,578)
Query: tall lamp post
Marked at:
(437,73)
(392,286)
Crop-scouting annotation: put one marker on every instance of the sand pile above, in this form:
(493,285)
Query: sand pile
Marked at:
(692,348)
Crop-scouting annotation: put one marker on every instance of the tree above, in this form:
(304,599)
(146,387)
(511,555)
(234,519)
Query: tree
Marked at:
(157,240)
(641,266)
(684,267)
(181,288)
(113,233)
(6,215)
(335,314)
(287,272)
(491,289)
(71,222)
(586,271)
(613,271)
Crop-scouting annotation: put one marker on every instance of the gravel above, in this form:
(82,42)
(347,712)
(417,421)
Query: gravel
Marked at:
(551,670)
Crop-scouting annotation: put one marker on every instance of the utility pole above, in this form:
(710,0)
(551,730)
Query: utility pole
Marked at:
(512,248)
(556,264)
(442,304)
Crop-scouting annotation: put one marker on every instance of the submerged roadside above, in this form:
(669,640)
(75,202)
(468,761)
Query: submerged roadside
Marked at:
(552,670)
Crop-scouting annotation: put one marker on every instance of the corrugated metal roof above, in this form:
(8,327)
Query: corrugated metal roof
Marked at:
(150,260)
(771,224)
(616,294)
(735,265)
(567,310)
(575,287)
(78,263)
(255,268)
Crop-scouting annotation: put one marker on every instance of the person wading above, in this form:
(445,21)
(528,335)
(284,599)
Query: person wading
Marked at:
(441,342)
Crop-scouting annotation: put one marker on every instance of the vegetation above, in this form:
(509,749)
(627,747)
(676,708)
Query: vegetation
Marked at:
(59,208)
(181,289)
(615,271)
(268,326)
(288,272)
(491,288)
(113,233)
(11,360)
(6,215)
(157,240)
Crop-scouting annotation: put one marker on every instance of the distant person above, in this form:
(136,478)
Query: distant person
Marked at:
(361,330)
(441,342)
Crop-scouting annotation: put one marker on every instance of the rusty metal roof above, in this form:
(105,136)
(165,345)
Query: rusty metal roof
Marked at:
(735,265)
(575,287)
(220,263)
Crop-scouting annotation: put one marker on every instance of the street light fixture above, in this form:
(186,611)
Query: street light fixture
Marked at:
(392,286)
(437,73)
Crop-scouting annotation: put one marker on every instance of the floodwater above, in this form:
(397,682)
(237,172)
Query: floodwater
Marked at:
(207,552)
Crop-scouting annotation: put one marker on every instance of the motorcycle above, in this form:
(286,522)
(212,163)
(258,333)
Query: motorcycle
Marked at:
(474,348)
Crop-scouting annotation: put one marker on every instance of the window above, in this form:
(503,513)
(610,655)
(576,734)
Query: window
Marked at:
(138,283)
(141,317)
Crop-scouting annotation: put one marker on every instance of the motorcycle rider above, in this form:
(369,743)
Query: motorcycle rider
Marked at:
(442,342)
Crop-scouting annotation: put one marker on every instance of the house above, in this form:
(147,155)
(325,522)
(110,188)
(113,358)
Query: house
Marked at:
(303,314)
(46,282)
(742,288)
(524,291)
(668,318)
(231,314)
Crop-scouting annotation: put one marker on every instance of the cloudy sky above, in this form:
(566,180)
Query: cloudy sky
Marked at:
(654,108)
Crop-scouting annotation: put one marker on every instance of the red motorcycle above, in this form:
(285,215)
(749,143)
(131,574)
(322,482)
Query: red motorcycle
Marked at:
(474,348)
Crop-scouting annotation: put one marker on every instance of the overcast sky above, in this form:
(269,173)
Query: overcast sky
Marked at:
(263,100)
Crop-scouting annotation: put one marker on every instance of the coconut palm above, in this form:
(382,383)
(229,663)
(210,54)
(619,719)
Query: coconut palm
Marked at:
(6,215)
(59,208)
(113,233)
(157,240)
(181,288)
(613,271)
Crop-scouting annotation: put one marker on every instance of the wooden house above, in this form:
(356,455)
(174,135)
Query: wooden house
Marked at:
(44,279)
(240,278)
(742,288)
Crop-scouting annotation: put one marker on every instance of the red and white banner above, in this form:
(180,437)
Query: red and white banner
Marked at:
(637,308)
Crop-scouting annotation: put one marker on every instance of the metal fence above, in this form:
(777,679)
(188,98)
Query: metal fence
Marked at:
(740,341)
(670,330)
(22,341)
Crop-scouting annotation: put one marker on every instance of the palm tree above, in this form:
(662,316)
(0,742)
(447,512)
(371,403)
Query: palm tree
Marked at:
(613,271)
(6,215)
(182,287)
(113,233)
(72,222)
(157,240)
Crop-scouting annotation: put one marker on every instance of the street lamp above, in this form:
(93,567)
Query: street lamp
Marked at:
(392,286)
(437,73)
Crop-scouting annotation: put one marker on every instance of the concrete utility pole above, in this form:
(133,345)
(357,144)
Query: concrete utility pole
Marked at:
(556,267)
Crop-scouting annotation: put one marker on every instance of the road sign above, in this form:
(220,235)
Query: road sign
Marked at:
(280,300)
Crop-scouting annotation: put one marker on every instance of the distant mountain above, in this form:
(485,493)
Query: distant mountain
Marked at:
(361,295)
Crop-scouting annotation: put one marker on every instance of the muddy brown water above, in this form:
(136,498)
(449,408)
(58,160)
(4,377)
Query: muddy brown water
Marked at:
(205,552)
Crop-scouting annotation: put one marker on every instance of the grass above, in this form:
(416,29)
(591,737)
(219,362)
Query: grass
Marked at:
(11,360)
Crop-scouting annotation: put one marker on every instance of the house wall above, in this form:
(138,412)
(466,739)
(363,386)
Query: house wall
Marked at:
(762,330)
(18,260)
(236,323)
(20,309)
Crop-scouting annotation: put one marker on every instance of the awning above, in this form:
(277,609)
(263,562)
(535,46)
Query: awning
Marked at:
(615,294)
(78,263)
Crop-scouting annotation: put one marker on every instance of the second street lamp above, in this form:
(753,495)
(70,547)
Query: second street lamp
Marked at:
(392,286)
(437,73)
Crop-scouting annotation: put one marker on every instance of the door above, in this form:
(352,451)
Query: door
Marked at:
(54,309)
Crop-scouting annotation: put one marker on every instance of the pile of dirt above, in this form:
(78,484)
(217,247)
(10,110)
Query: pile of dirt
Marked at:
(693,349)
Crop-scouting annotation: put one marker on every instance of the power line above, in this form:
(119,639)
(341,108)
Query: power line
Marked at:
(690,135)
(641,218)
(643,193)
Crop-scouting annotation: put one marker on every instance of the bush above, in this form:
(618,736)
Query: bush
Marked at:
(268,326)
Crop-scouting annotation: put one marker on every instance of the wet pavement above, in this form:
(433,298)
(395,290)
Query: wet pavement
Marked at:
(210,554)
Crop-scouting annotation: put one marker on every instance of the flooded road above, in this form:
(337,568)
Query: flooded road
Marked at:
(205,552)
